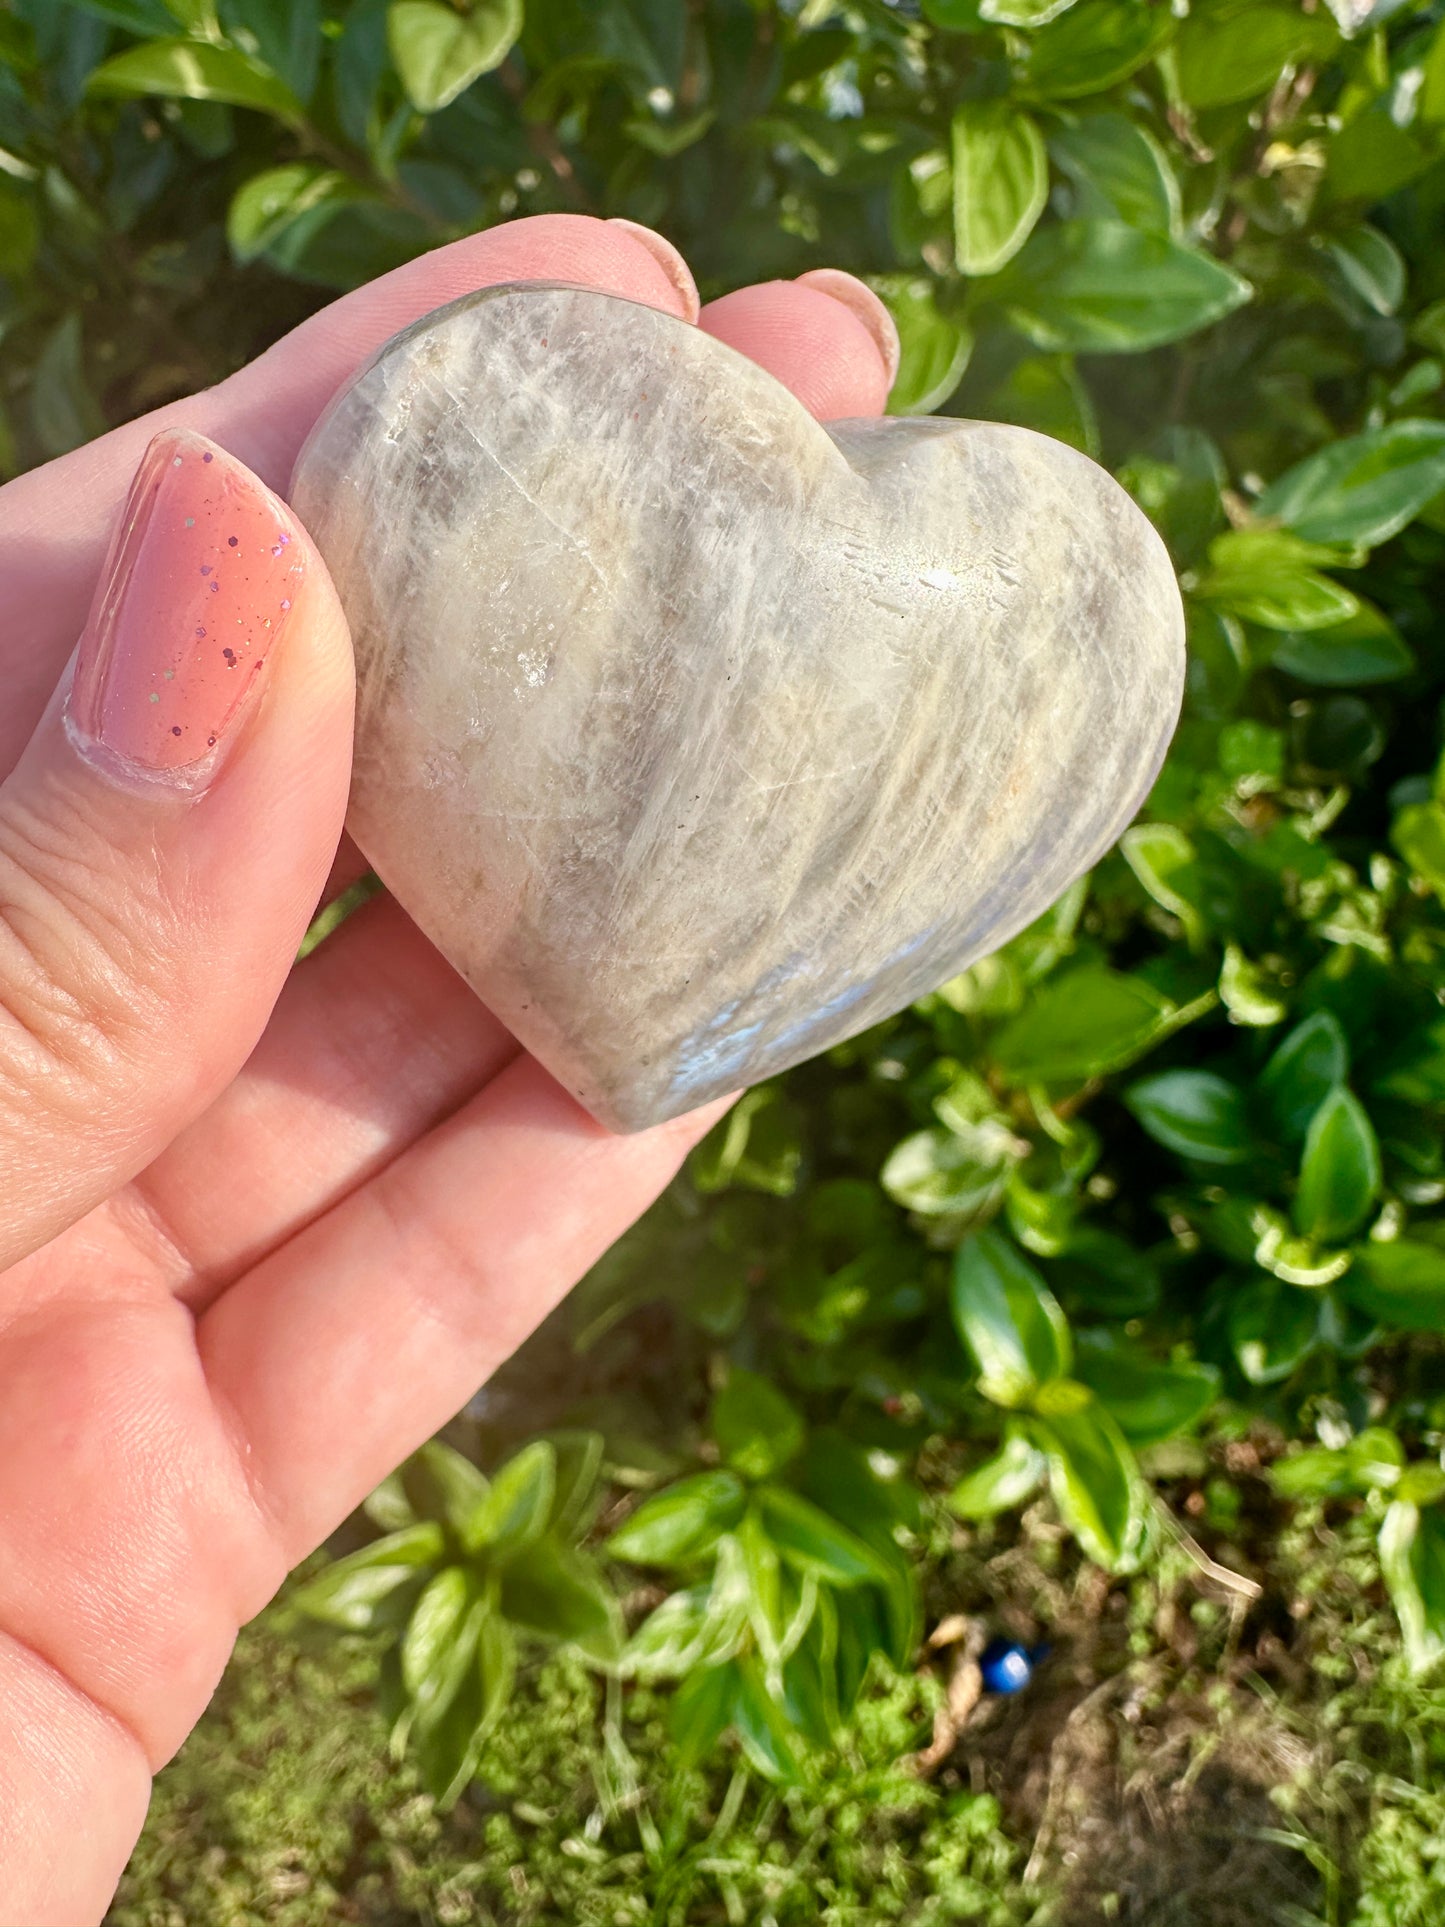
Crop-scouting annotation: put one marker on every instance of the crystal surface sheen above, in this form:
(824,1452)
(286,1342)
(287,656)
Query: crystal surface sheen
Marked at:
(697,735)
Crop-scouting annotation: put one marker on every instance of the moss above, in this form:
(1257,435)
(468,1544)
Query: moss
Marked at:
(283,1810)
(1277,1769)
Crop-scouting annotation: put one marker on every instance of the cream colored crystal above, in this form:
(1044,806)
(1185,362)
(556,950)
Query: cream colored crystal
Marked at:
(699,736)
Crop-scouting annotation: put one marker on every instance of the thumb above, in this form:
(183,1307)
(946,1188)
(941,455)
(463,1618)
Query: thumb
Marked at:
(166,834)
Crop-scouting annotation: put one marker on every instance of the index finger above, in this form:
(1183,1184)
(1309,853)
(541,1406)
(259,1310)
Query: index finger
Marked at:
(54,521)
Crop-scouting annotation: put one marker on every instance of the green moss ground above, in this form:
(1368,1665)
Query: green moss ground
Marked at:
(1178,1763)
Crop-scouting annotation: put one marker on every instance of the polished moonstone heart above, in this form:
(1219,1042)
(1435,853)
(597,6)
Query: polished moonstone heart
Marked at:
(698,735)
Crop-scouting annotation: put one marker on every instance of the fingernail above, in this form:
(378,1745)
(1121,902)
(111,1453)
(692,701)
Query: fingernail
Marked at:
(671,263)
(203,570)
(861,301)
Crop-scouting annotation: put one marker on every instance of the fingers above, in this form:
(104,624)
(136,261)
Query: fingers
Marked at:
(375,1040)
(165,834)
(826,336)
(53,522)
(444,1264)
(62,1757)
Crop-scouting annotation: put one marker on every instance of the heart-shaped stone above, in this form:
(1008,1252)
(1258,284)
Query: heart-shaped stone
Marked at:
(697,735)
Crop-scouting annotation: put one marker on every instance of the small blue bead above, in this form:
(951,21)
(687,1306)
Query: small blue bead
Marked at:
(1006,1666)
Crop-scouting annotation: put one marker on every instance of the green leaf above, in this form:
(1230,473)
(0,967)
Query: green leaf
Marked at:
(556,1593)
(1265,576)
(1340,1171)
(1080,1024)
(578,1459)
(1401,1285)
(757,1146)
(934,348)
(1235,55)
(1196,1113)
(288,38)
(1416,1070)
(1218,662)
(440,1643)
(1099,287)
(878,1501)
(448,1747)
(761,1568)
(497,1666)
(757,1430)
(516,1510)
(63,407)
(1247,991)
(265,207)
(700,1713)
(958,1172)
(1418,833)
(762,1731)
(388,1506)
(136,16)
(1412,1559)
(438,1613)
(350,1592)
(19,229)
(1022,13)
(1365,648)
(1163,859)
(1008,1318)
(690,1630)
(1096,44)
(1120,172)
(1273,1328)
(1150,1401)
(1420,1484)
(682,1524)
(197,70)
(1109,1274)
(1371,158)
(1046,393)
(1179,486)
(809,1696)
(1312,1061)
(1000,183)
(1252,754)
(813,1543)
(439,51)
(1367,270)
(1012,1475)
(442,1483)
(1363,489)
(1094,1482)
(1373,1460)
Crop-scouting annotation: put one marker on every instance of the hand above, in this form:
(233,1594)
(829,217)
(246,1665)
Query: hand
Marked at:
(266,1229)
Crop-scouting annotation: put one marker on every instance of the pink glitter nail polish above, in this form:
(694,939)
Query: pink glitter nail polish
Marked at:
(197,588)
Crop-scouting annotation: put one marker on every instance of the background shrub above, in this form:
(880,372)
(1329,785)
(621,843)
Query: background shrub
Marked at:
(1165,1169)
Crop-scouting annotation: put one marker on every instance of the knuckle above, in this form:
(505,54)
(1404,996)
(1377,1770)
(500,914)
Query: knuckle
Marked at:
(82,953)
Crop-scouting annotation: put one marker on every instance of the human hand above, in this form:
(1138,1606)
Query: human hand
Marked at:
(266,1228)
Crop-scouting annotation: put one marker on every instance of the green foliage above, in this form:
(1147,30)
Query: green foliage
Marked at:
(787,1598)
(1172,1159)
(469,1570)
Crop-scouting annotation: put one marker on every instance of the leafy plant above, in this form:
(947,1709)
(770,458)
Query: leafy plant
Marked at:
(787,1604)
(1172,1161)
(467,1570)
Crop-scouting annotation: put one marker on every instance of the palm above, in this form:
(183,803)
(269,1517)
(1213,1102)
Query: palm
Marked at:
(206,1373)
